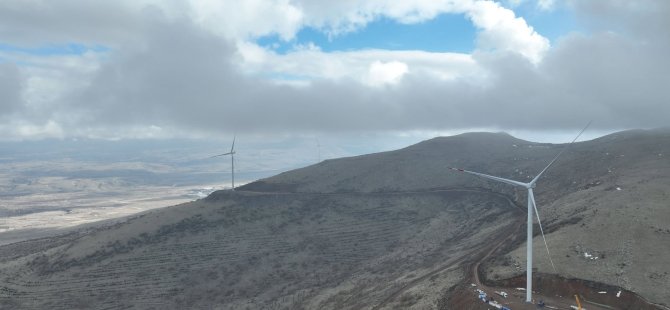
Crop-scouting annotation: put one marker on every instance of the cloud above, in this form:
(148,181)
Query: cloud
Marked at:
(642,20)
(546,5)
(313,64)
(251,18)
(10,88)
(381,73)
(41,21)
(502,30)
(499,28)
(184,70)
(178,70)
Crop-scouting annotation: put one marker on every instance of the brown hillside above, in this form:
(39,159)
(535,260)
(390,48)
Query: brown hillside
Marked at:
(387,230)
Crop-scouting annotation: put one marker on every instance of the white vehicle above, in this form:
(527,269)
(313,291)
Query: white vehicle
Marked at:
(501,293)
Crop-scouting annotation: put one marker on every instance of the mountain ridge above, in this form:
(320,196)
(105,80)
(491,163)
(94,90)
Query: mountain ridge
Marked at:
(347,233)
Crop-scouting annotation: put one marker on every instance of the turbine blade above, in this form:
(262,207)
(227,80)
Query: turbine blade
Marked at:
(559,154)
(499,179)
(232,147)
(532,199)
(224,154)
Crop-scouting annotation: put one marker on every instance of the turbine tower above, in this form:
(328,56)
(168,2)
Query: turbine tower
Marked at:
(531,206)
(232,162)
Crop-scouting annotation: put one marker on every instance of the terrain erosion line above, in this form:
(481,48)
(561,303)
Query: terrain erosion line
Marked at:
(489,250)
(507,236)
(508,240)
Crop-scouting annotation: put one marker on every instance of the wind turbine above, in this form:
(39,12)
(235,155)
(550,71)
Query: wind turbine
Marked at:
(531,206)
(232,161)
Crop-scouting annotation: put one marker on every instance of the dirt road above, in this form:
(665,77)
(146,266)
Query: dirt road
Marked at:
(560,296)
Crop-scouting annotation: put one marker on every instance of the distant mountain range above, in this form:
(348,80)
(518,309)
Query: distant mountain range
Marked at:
(385,230)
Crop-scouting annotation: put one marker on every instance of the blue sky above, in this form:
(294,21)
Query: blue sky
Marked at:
(453,33)
(445,33)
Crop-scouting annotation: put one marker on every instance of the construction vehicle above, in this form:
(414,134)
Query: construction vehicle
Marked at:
(579,305)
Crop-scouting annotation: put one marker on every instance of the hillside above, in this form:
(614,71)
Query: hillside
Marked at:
(385,230)
(607,197)
(613,226)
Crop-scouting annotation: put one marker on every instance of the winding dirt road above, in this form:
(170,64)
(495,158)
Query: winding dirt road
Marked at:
(505,238)
(483,252)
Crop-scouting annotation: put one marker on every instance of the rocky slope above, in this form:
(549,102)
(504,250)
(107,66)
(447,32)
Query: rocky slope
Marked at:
(387,230)
(604,203)
(274,251)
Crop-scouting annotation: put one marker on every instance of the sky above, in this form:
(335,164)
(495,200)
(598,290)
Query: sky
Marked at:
(372,71)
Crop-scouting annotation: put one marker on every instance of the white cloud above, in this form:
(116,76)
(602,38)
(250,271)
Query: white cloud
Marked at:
(546,5)
(514,3)
(503,31)
(314,64)
(381,73)
(499,28)
(248,18)
(343,16)
(20,129)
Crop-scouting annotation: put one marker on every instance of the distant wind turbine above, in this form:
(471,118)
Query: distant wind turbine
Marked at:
(531,206)
(318,146)
(232,161)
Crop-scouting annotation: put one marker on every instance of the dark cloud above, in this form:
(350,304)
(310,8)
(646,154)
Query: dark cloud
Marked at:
(175,73)
(645,20)
(10,88)
(604,78)
(35,23)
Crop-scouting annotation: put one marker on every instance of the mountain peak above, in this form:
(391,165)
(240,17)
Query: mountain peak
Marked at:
(480,137)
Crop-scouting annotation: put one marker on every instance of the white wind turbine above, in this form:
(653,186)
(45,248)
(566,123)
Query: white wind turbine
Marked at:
(531,206)
(232,161)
